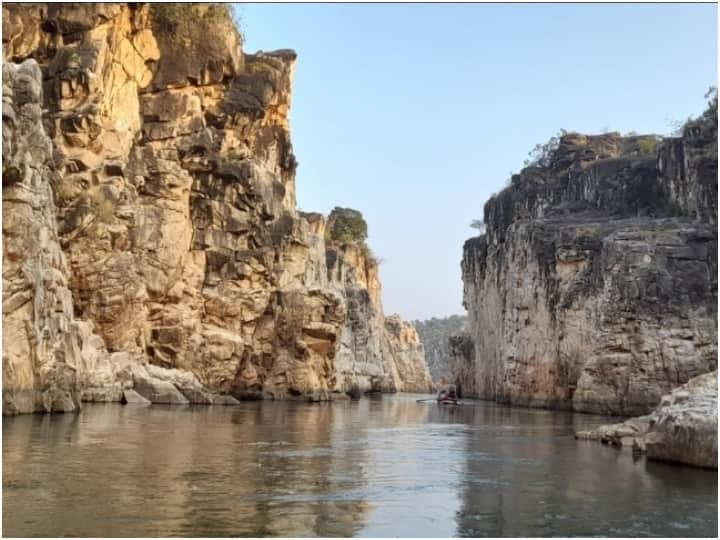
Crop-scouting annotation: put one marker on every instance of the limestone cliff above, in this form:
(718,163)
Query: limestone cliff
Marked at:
(435,334)
(595,285)
(461,364)
(374,353)
(41,350)
(407,354)
(150,221)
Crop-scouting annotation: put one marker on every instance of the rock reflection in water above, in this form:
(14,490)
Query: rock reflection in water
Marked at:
(377,467)
(526,475)
(201,471)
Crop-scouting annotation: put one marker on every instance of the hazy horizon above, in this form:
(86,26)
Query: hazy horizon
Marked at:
(416,113)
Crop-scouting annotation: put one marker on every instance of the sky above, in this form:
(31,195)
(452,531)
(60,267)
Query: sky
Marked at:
(415,114)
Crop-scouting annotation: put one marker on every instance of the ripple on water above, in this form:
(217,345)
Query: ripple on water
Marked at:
(269,443)
(309,453)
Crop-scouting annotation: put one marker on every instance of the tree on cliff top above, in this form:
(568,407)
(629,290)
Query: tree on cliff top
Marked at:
(202,25)
(542,154)
(346,225)
(712,107)
(710,114)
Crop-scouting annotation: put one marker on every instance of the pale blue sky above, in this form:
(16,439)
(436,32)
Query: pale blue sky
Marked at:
(415,114)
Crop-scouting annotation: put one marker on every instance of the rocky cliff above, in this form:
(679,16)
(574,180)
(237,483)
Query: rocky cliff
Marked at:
(407,353)
(150,231)
(435,335)
(594,287)
(461,364)
(374,353)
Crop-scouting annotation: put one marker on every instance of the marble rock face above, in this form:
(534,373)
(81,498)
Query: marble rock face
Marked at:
(149,220)
(436,334)
(594,287)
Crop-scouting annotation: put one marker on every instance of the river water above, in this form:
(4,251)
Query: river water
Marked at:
(374,467)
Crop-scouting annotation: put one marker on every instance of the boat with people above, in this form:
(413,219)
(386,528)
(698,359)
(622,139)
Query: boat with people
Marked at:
(448,397)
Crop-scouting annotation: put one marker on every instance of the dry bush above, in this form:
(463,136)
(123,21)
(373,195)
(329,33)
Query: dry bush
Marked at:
(201,26)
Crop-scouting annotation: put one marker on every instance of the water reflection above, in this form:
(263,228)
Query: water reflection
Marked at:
(384,467)
(526,475)
(203,471)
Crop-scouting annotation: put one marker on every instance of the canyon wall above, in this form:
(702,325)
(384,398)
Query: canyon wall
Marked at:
(461,364)
(374,353)
(150,230)
(435,334)
(41,351)
(594,287)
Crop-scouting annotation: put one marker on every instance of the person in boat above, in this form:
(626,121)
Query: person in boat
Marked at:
(448,396)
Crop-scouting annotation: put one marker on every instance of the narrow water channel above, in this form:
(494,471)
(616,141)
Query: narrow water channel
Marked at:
(376,467)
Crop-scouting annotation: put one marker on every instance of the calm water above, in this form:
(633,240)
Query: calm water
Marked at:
(386,467)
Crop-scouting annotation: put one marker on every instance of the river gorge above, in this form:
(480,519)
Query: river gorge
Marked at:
(186,352)
(375,467)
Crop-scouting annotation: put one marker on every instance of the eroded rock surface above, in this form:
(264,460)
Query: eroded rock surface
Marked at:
(41,341)
(682,429)
(435,335)
(155,225)
(461,363)
(595,285)
(408,355)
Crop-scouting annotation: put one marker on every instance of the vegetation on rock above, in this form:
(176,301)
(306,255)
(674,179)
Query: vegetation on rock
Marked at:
(709,114)
(346,225)
(648,143)
(181,170)
(197,23)
(542,154)
(712,108)
(190,34)
(577,246)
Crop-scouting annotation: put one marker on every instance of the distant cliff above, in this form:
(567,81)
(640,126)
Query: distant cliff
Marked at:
(151,236)
(435,335)
(594,287)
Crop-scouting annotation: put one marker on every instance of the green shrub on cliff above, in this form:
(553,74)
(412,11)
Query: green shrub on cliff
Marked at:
(346,225)
(369,254)
(648,144)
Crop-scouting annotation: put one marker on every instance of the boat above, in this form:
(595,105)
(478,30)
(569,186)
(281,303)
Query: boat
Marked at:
(448,396)
(445,397)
